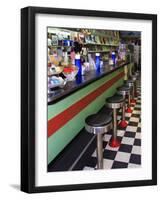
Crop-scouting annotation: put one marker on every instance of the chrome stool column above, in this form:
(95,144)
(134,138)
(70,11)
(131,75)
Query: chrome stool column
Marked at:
(115,102)
(135,77)
(130,83)
(99,124)
(137,73)
(124,91)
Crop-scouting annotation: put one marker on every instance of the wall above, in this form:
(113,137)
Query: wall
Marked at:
(10,99)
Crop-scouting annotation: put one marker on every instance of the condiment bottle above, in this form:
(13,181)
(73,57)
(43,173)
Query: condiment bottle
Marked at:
(78,64)
(97,60)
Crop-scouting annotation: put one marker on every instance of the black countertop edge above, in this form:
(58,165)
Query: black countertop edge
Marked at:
(64,94)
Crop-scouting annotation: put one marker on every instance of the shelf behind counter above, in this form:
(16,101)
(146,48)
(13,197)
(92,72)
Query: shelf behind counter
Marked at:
(80,82)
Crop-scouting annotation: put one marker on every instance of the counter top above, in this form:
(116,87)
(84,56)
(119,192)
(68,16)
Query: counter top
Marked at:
(80,82)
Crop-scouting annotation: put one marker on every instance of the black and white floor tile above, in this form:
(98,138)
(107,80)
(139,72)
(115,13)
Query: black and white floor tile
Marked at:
(128,155)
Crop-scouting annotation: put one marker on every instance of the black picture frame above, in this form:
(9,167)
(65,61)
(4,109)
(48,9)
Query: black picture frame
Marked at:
(28,98)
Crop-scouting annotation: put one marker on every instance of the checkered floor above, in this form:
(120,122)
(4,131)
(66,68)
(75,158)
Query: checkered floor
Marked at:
(129,153)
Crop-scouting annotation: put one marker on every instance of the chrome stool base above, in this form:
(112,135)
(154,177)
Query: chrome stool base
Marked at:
(124,91)
(131,83)
(99,124)
(115,102)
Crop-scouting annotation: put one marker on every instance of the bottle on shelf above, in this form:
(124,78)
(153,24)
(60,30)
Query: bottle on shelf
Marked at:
(83,61)
(72,56)
(65,57)
(92,65)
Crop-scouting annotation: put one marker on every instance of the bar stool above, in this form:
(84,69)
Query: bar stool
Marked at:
(99,124)
(115,102)
(124,91)
(130,83)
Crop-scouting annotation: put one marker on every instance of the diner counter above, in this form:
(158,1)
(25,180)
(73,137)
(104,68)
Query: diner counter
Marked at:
(78,99)
(80,82)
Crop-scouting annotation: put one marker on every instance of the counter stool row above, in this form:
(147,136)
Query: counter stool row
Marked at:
(101,123)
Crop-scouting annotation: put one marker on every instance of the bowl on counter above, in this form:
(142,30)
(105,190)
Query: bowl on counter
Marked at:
(70,72)
(54,82)
(53,70)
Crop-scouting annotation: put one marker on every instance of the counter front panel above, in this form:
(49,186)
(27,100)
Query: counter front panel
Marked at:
(67,117)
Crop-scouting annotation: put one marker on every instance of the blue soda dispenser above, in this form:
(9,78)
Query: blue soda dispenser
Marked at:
(97,60)
(113,56)
(78,64)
